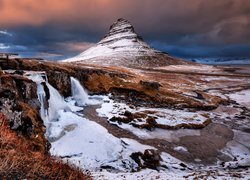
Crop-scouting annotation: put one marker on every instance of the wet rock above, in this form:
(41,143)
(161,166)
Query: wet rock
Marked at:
(19,72)
(129,115)
(121,119)
(149,159)
(61,81)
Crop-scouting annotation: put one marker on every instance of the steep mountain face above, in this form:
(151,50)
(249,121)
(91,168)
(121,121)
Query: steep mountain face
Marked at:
(123,47)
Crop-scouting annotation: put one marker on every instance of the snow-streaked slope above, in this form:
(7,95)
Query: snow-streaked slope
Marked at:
(123,47)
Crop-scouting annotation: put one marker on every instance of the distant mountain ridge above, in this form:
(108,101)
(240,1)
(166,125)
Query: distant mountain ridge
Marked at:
(123,47)
(222,60)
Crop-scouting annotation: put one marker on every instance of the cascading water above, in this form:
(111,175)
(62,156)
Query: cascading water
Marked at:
(40,78)
(41,96)
(79,94)
(56,103)
(49,105)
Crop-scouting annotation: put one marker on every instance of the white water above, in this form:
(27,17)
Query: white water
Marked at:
(38,78)
(79,94)
(56,103)
(42,98)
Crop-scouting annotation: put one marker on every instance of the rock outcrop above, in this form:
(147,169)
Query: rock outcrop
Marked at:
(123,47)
(19,104)
(149,159)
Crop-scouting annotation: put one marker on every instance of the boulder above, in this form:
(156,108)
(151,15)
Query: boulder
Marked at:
(149,159)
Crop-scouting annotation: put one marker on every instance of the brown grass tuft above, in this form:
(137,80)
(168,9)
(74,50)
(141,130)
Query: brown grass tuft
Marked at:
(18,161)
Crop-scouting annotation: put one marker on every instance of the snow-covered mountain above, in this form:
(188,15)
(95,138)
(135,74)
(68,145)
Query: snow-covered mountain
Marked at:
(123,47)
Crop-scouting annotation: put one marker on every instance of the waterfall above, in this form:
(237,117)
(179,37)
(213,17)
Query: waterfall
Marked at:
(78,92)
(42,99)
(56,103)
(40,78)
(51,102)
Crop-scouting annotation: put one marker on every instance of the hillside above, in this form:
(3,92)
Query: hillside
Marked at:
(123,47)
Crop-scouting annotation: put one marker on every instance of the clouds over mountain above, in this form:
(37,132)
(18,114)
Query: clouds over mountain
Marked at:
(185,28)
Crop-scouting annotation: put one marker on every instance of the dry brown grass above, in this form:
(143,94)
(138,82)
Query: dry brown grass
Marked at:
(18,161)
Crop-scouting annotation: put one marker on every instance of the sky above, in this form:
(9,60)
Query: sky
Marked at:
(58,29)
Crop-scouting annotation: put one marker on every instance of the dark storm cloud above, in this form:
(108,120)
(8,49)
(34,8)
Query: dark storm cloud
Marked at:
(183,28)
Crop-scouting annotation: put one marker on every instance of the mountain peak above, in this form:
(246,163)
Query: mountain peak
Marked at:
(120,30)
(123,47)
(121,25)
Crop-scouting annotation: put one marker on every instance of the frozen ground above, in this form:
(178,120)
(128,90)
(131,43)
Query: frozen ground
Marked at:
(108,157)
(242,98)
(73,133)
(166,117)
(90,146)
(239,150)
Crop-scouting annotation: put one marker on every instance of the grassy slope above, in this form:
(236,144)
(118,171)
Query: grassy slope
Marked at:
(18,161)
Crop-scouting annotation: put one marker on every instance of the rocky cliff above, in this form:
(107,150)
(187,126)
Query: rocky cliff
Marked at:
(19,104)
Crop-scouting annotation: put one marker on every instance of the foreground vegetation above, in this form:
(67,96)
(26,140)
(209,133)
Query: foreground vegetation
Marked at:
(19,161)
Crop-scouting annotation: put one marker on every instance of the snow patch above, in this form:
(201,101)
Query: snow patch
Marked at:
(241,97)
(162,116)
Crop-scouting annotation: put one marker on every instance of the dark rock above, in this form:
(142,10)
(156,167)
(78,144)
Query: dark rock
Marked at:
(183,165)
(151,159)
(61,81)
(151,120)
(151,85)
(129,115)
(19,72)
(120,119)
(7,93)
(199,96)
(136,156)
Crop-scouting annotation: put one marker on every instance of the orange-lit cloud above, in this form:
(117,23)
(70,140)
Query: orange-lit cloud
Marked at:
(178,22)
(33,12)
(189,15)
